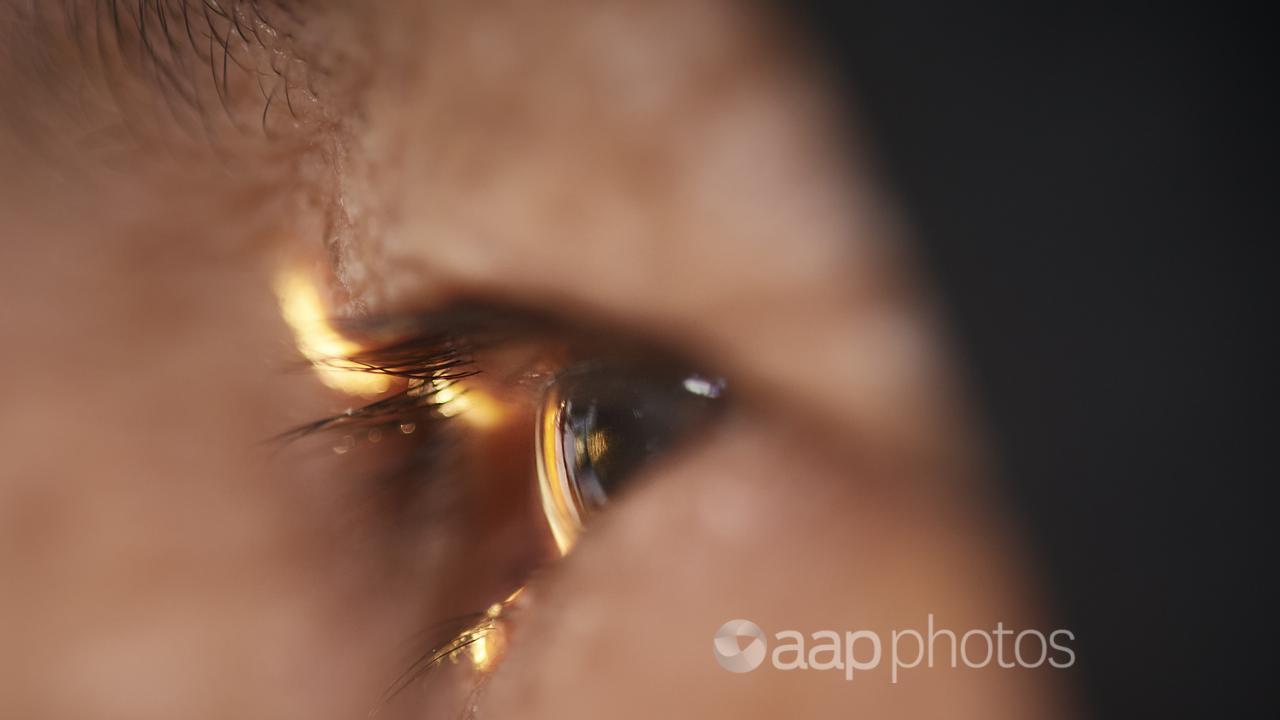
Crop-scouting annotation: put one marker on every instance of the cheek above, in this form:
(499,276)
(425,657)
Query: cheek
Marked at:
(752,526)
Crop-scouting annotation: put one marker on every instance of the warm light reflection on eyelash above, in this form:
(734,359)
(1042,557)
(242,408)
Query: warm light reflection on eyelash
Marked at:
(456,397)
(484,644)
(318,341)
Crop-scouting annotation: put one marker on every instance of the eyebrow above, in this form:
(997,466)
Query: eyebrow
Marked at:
(212,67)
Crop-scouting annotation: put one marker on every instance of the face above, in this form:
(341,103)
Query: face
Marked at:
(449,359)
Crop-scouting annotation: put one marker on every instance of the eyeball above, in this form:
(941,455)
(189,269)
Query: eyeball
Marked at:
(599,426)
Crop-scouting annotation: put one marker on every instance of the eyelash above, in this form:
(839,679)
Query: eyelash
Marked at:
(427,365)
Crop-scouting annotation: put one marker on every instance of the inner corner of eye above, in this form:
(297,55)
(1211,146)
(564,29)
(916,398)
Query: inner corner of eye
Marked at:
(600,426)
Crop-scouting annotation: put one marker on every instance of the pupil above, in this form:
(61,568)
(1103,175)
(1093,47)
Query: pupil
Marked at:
(612,437)
(616,425)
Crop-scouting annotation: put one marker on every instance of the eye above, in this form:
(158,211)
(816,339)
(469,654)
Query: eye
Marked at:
(598,426)
(496,434)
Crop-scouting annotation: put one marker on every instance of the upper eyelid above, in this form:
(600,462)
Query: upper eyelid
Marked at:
(467,320)
(428,351)
(478,323)
(439,345)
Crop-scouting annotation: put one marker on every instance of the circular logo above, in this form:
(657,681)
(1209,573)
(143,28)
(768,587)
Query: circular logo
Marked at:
(739,646)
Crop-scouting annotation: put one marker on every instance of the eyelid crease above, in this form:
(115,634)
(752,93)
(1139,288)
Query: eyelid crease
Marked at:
(479,323)
(484,324)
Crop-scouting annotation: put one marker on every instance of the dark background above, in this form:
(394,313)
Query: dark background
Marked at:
(1087,187)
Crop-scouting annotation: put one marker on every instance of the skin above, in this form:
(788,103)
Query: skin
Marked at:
(680,172)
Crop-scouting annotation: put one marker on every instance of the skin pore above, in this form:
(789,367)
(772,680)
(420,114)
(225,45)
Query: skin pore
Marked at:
(673,171)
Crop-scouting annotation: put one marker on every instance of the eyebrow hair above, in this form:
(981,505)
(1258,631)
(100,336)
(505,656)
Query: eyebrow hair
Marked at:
(210,67)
